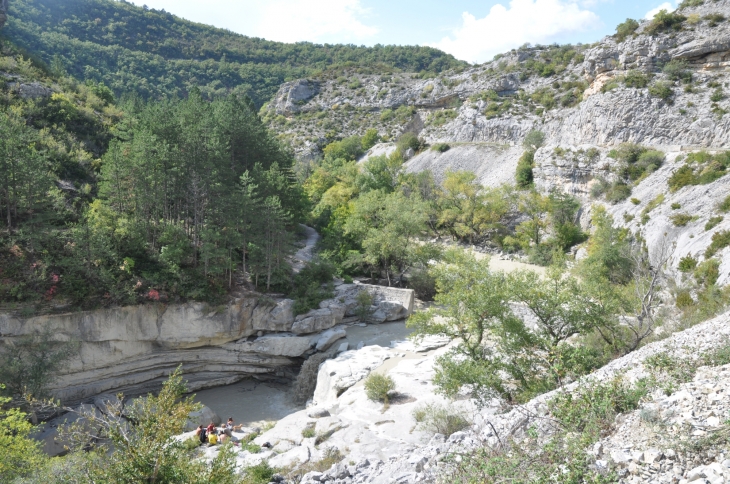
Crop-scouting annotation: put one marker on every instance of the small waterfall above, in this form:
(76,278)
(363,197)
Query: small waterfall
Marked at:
(306,381)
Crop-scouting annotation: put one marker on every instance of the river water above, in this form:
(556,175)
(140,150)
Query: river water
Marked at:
(251,401)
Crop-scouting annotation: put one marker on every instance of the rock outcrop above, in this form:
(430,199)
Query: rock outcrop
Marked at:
(133,349)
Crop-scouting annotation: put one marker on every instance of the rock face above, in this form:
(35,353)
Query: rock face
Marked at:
(133,349)
(292,95)
(579,134)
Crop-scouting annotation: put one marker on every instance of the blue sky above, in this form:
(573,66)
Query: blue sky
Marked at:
(473,30)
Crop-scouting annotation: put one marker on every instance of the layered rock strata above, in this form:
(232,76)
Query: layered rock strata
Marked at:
(133,349)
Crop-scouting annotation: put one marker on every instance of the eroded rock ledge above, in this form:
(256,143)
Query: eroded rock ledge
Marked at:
(133,349)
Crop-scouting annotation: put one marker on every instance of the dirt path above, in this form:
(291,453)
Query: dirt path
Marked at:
(305,254)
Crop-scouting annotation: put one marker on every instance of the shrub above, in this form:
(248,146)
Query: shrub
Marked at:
(714,18)
(441,419)
(662,89)
(618,192)
(676,206)
(664,21)
(441,147)
(687,264)
(680,219)
(690,3)
(717,95)
(524,174)
(636,79)
(370,138)
(534,140)
(708,272)
(408,140)
(599,187)
(713,222)
(676,70)
(423,283)
(386,115)
(720,240)
(308,432)
(626,28)
(724,206)
(261,473)
(439,118)
(654,203)
(684,300)
(635,201)
(377,387)
(313,285)
(364,310)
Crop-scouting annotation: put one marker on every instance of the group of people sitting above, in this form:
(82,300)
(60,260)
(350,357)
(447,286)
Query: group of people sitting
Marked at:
(213,435)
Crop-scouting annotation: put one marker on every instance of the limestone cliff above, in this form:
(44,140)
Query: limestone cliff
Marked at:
(133,349)
(580,98)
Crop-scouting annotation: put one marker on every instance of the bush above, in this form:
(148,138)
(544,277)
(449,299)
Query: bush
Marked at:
(423,283)
(441,147)
(687,264)
(441,419)
(308,432)
(720,240)
(664,21)
(708,272)
(724,205)
(408,140)
(533,140)
(259,474)
(377,387)
(370,139)
(684,300)
(439,118)
(618,192)
(524,174)
(313,285)
(713,222)
(714,18)
(636,79)
(364,310)
(626,28)
(680,219)
(676,206)
(676,70)
(662,89)
(717,95)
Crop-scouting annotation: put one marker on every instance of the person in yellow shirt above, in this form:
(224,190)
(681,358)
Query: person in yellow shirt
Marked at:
(212,438)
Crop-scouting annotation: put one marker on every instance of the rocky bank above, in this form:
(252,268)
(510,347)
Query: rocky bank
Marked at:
(133,349)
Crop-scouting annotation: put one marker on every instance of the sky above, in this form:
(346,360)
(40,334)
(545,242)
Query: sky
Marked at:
(471,30)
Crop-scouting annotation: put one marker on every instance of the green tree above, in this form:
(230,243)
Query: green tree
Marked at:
(143,448)
(20,454)
(387,225)
(29,363)
(498,353)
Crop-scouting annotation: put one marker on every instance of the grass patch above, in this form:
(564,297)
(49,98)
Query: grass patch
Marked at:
(441,419)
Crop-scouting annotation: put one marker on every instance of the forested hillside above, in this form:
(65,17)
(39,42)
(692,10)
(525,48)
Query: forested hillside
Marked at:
(155,54)
(105,204)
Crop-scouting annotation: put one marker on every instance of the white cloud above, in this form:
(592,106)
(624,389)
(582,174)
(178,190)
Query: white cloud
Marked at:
(533,21)
(314,20)
(664,6)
